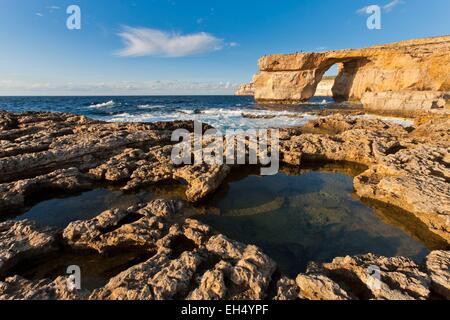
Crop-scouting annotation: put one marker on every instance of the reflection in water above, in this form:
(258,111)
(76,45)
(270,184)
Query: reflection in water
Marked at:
(96,269)
(60,212)
(311,216)
(297,216)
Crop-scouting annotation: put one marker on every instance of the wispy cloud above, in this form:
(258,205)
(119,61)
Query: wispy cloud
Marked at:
(386,8)
(39,14)
(166,87)
(362,11)
(152,42)
(391,5)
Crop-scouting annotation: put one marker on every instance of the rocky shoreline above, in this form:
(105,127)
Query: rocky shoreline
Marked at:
(46,153)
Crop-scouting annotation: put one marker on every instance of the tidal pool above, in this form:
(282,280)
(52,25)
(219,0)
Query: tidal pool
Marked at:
(297,216)
(303,215)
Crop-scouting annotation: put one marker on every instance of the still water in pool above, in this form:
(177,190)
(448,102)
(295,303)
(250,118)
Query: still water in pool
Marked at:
(310,216)
(296,216)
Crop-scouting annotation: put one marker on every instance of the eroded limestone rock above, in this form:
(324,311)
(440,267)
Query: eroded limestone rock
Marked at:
(399,277)
(415,179)
(20,240)
(18,288)
(406,103)
(438,267)
(407,168)
(319,287)
(13,195)
(419,64)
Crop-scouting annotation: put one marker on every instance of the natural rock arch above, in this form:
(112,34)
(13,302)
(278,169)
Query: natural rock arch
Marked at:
(414,65)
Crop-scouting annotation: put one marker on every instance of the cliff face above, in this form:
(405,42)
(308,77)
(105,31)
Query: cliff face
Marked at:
(414,65)
(245,90)
(324,88)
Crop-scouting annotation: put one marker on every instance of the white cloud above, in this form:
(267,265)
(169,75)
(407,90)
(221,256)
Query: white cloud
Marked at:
(152,42)
(391,5)
(166,87)
(362,10)
(39,14)
(387,8)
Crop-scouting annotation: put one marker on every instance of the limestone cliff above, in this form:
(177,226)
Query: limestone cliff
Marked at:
(413,65)
(324,88)
(245,90)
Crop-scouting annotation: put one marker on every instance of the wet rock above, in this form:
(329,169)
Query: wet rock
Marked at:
(437,264)
(20,240)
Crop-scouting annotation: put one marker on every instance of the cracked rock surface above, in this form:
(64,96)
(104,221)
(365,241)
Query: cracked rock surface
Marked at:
(190,260)
(43,153)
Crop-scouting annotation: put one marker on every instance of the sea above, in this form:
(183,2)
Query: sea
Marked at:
(222,112)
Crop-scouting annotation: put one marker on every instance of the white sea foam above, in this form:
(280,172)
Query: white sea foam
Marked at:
(107,104)
(220,118)
(150,106)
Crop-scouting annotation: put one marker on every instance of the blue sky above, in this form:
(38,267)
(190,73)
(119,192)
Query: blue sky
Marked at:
(184,47)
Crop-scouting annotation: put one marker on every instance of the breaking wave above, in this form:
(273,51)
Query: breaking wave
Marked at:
(107,104)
